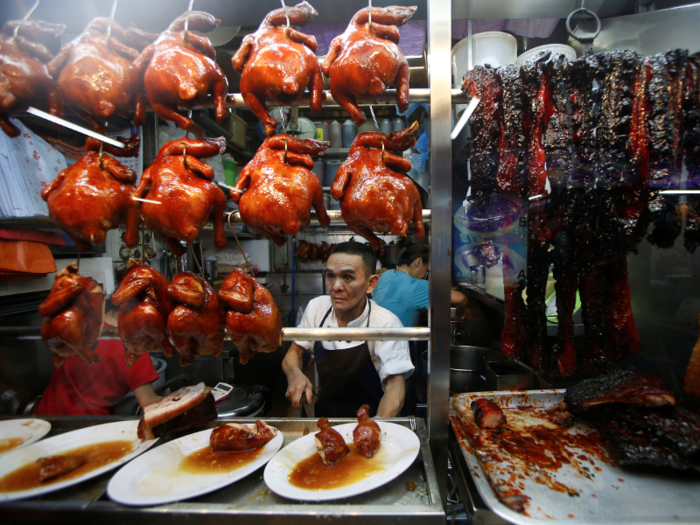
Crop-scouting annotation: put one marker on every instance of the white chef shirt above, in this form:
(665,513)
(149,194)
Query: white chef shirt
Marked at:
(389,357)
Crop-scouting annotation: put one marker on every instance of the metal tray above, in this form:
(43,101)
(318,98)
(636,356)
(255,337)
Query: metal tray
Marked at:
(601,494)
(246,501)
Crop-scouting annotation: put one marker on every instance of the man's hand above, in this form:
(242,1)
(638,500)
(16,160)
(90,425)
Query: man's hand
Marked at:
(297,382)
(393,398)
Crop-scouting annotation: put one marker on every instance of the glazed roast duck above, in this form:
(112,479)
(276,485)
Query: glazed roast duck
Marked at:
(94,195)
(178,195)
(74,314)
(374,193)
(366,59)
(96,76)
(144,307)
(24,77)
(181,70)
(279,62)
(281,189)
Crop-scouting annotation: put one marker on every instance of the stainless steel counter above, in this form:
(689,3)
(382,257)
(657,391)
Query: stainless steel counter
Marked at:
(248,500)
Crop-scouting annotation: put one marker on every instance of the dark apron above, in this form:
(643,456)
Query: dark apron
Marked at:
(347,379)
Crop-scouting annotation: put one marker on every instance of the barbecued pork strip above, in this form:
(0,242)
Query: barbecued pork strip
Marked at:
(692,374)
(622,332)
(691,149)
(511,176)
(626,387)
(488,414)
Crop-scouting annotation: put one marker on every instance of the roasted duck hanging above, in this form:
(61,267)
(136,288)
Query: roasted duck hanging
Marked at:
(178,197)
(24,77)
(252,319)
(143,311)
(366,59)
(281,188)
(279,62)
(96,74)
(374,193)
(74,312)
(196,324)
(181,70)
(93,196)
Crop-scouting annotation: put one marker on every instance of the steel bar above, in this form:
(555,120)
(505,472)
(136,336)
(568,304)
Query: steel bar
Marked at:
(288,334)
(74,127)
(335,216)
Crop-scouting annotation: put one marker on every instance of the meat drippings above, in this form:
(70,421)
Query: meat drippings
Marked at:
(9,444)
(98,455)
(312,474)
(206,461)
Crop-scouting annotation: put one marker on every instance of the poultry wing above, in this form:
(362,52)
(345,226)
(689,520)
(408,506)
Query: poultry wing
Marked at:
(366,59)
(143,311)
(367,435)
(252,319)
(196,324)
(373,191)
(24,77)
(96,76)
(181,70)
(93,196)
(178,195)
(233,437)
(281,189)
(279,62)
(74,312)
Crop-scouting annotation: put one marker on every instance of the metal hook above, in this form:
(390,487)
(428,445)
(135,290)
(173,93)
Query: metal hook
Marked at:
(285,151)
(184,156)
(284,130)
(99,160)
(382,151)
(26,17)
(247,264)
(584,40)
(111,20)
(194,256)
(369,24)
(187,28)
(371,110)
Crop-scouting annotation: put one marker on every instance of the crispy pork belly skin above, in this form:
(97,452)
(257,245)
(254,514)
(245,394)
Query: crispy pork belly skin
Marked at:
(240,438)
(54,466)
(197,416)
(631,388)
(488,414)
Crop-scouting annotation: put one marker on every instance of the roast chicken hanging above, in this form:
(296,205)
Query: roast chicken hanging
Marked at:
(374,193)
(252,319)
(279,62)
(24,77)
(181,70)
(143,311)
(74,312)
(93,196)
(196,324)
(178,197)
(96,74)
(281,188)
(366,59)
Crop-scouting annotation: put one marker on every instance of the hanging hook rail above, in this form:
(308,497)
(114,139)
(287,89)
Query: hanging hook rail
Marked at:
(26,17)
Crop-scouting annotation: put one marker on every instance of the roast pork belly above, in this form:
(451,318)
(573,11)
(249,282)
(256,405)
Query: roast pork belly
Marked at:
(54,466)
(488,414)
(233,437)
(330,444)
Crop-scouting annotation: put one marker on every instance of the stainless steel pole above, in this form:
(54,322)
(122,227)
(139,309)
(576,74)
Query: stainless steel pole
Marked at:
(440,82)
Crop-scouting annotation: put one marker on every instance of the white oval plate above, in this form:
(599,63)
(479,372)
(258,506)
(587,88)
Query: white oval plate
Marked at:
(156,479)
(397,452)
(30,430)
(122,430)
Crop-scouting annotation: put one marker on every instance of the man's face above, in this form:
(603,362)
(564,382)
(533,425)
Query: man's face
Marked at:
(347,281)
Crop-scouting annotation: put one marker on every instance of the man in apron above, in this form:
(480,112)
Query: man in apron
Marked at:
(350,374)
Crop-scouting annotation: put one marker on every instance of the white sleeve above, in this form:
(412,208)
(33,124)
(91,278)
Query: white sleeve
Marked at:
(394,359)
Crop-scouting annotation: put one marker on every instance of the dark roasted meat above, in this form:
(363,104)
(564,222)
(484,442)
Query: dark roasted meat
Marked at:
(330,444)
(488,414)
(54,466)
(512,156)
(239,438)
(367,435)
(692,374)
(188,407)
(630,388)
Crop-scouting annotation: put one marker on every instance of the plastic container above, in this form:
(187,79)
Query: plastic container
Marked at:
(336,134)
(495,48)
(319,130)
(326,130)
(331,169)
(398,124)
(320,170)
(366,127)
(349,133)
(386,127)
(229,165)
(559,49)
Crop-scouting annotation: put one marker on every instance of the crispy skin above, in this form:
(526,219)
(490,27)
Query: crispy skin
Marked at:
(253,320)
(488,414)
(177,412)
(367,435)
(330,444)
(281,189)
(630,388)
(239,438)
(54,466)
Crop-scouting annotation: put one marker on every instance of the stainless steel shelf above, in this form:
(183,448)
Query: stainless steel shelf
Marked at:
(335,216)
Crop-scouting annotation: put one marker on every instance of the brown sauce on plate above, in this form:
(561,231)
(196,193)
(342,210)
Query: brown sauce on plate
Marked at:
(312,474)
(10,443)
(98,455)
(206,461)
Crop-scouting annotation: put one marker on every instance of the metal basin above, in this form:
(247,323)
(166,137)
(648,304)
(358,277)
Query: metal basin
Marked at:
(467,369)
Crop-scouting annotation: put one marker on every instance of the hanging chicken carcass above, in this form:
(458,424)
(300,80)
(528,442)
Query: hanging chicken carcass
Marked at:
(93,196)
(281,189)
(279,62)
(177,196)
(374,193)
(24,77)
(181,70)
(96,76)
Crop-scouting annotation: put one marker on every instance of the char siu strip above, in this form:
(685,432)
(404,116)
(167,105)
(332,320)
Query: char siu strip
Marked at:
(511,176)
(487,414)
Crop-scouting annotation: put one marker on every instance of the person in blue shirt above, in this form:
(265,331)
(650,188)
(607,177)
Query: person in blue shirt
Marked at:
(404,291)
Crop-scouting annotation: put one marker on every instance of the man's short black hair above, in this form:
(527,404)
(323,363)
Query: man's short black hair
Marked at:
(369,260)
